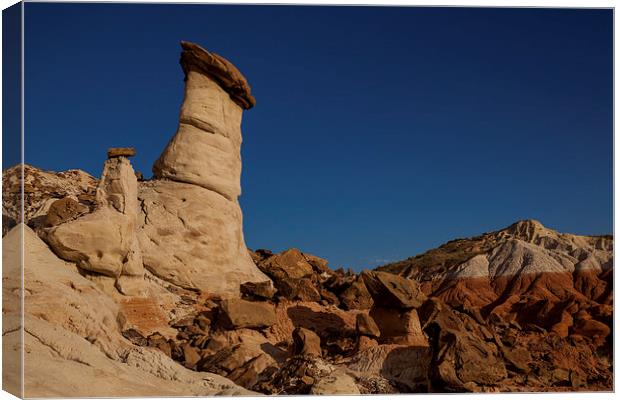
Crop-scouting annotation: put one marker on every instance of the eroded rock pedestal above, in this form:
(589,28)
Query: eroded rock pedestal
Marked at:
(105,241)
(191,223)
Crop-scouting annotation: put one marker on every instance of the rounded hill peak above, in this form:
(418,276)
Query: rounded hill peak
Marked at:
(527,229)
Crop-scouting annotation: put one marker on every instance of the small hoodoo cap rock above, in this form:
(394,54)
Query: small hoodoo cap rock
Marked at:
(121,152)
(221,70)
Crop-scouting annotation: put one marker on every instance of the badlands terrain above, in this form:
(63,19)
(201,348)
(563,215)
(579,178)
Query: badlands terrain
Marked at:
(138,287)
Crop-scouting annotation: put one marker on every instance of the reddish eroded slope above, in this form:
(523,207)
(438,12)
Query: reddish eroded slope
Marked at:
(525,259)
(545,293)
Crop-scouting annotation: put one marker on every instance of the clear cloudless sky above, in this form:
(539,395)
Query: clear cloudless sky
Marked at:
(378,132)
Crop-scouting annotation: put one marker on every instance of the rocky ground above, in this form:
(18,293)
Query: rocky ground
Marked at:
(521,309)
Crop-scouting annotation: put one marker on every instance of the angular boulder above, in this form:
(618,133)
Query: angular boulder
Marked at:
(389,290)
(463,359)
(365,342)
(297,289)
(237,313)
(64,210)
(563,325)
(464,355)
(318,264)
(295,376)
(241,363)
(591,328)
(356,296)
(287,264)
(190,355)
(306,342)
(327,296)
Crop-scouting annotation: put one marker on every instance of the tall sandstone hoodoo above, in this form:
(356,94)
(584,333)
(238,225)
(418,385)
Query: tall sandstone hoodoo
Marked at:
(191,227)
(185,225)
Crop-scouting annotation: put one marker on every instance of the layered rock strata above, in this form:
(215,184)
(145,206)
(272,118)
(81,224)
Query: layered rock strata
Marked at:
(525,273)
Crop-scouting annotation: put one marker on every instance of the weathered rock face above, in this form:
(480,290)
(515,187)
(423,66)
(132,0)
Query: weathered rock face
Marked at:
(297,289)
(64,210)
(191,223)
(193,237)
(365,325)
(356,296)
(41,189)
(398,326)
(328,322)
(206,149)
(278,345)
(465,356)
(404,366)
(394,301)
(306,342)
(241,363)
(71,339)
(257,290)
(105,241)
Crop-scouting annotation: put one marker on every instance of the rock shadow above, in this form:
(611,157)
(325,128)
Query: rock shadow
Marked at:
(277,353)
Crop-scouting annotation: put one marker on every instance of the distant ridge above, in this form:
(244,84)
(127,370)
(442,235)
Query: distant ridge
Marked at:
(525,259)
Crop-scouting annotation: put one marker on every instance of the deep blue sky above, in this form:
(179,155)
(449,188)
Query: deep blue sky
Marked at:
(378,133)
(11,85)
